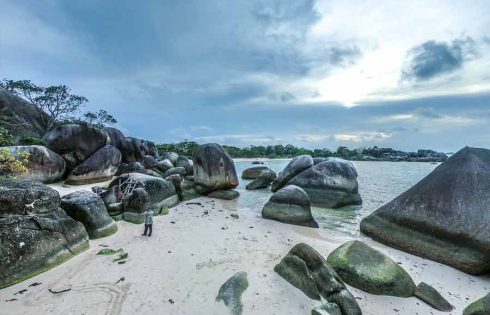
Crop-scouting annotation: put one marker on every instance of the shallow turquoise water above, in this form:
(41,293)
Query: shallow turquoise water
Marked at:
(379,182)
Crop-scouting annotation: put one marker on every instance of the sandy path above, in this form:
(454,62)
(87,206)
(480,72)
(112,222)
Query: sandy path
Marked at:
(180,268)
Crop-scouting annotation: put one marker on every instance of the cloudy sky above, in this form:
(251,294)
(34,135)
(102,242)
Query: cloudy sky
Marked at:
(405,74)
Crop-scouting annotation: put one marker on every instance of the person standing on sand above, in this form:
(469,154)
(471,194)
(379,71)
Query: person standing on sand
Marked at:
(148,220)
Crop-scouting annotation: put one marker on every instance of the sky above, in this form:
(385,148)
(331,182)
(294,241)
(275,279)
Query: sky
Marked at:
(405,74)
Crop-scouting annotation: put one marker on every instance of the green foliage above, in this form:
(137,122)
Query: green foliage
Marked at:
(6,138)
(101,118)
(11,165)
(185,148)
(31,141)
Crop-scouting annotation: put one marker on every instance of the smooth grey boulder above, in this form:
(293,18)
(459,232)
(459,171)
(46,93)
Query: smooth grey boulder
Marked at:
(134,206)
(99,167)
(264,180)
(35,233)
(430,296)
(229,194)
(368,269)
(294,167)
(171,156)
(317,160)
(75,143)
(187,191)
(186,163)
(330,184)
(479,307)
(115,136)
(43,165)
(253,172)
(176,179)
(149,162)
(88,208)
(291,205)
(115,209)
(134,150)
(214,169)
(134,167)
(231,292)
(444,217)
(175,170)
(164,165)
(307,270)
(22,119)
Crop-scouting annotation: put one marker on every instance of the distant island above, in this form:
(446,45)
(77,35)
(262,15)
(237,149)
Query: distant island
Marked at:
(288,151)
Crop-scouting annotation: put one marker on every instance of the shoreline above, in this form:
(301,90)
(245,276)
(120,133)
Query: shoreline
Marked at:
(194,250)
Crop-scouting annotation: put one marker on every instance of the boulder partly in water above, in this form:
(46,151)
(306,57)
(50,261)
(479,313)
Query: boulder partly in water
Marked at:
(444,217)
(330,184)
(264,180)
(297,165)
(290,205)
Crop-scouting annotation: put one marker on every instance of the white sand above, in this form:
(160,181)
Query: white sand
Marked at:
(191,254)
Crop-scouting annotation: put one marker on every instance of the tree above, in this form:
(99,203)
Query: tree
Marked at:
(11,165)
(100,118)
(56,100)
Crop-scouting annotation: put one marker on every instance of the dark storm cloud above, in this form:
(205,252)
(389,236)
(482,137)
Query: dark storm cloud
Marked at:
(433,58)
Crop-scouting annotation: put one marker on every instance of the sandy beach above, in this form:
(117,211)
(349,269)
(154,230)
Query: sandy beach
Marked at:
(194,250)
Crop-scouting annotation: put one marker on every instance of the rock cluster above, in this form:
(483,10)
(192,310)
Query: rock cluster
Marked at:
(307,270)
(330,182)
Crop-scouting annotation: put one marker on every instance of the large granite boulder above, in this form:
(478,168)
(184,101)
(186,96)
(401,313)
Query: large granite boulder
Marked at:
(134,206)
(88,208)
(444,217)
(35,233)
(294,167)
(161,192)
(75,143)
(213,169)
(479,307)
(264,180)
(253,172)
(100,166)
(171,156)
(43,165)
(21,118)
(368,269)
(330,184)
(308,271)
(134,167)
(150,162)
(291,205)
(186,163)
(174,170)
(134,150)
(164,165)
(115,136)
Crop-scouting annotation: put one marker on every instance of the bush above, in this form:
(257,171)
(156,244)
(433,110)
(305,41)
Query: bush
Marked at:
(32,141)
(11,165)
(6,138)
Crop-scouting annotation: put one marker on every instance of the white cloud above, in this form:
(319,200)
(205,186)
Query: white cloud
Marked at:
(362,136)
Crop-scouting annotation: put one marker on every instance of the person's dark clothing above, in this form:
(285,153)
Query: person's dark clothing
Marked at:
(148,227)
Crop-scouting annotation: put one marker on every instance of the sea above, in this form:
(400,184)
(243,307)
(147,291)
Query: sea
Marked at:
(379,183)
